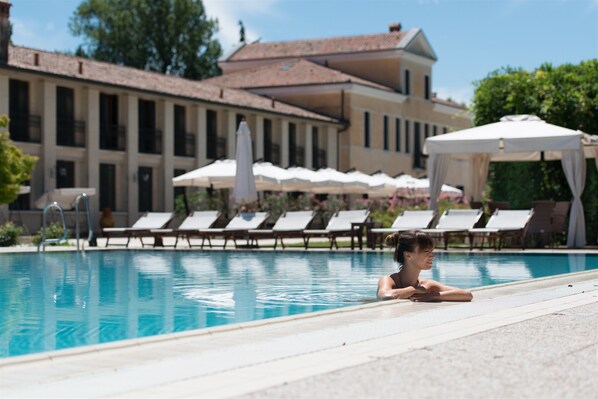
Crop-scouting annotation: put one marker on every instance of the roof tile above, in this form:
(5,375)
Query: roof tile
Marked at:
(313,47)
(289,73)
(110,74)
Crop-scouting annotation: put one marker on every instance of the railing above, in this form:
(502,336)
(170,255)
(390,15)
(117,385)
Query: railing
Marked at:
(113,137)
(297,157)
(184,144)
(321,158)
(44,241)
(92,241)
(221,147)
(150,141)
(275,154)
(70,133)
(25,128)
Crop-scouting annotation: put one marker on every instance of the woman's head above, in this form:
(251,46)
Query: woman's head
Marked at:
(411,241)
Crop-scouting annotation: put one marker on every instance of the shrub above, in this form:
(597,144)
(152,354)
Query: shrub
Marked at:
(55,230)
(9,234)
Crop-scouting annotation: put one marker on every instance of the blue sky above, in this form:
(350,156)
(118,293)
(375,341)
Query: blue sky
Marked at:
(470,37)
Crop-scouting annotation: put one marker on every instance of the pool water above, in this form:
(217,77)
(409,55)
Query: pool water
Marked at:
(63,300)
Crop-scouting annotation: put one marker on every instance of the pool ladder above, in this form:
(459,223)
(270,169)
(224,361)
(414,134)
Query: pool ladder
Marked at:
(55,205)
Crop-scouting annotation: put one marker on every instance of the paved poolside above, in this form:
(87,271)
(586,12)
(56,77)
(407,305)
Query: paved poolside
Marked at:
(534,338)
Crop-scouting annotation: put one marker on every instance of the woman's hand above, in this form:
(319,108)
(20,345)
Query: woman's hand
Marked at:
(431,296)
(420,289)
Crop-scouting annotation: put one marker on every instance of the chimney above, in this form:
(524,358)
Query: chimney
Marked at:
(5,31)
(394,27)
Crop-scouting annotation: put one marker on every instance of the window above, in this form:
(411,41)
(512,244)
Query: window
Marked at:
(112,136)
(407,82)
(238,119)
(315,136)
(65,174)
(65,116)
(386,137)
(417,160)
(292,144)
(107,186)
(427,88)
(434,130)
(444,130)
(150,139)
(23,126)
(366,129)
(144,181)
(407,134)
(211,135)
(398,135)
(268,140)
(427,130)
(184,143)
(178,191)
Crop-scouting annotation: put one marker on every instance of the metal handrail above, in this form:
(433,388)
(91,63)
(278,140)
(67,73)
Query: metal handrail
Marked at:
(45,241)
(85,199)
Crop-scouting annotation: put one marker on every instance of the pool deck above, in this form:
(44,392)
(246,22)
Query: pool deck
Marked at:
(536,338)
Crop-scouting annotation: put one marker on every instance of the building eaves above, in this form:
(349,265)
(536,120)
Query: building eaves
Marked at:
(103,73)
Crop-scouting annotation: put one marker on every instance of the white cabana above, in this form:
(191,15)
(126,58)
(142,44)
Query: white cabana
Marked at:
(514,138)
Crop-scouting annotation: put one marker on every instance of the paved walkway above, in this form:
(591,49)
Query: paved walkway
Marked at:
(552,356)
(540,329)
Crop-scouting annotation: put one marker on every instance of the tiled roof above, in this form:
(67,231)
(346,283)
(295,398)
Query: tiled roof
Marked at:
(313,47)
(295,72)
(448,103)
(110,74)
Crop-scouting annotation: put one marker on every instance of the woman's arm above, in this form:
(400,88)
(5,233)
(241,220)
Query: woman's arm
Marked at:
(440,292)
(386,290)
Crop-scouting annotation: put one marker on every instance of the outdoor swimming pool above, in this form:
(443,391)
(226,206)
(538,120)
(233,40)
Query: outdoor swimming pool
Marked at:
(65,299)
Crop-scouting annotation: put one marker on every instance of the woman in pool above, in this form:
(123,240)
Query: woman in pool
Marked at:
(414,253)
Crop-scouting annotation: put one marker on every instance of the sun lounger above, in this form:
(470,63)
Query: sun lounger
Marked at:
(237,228)
(289,225)
(196,221)
(503,223)
(407,220)
(455,222)
(342,224)
(141,228)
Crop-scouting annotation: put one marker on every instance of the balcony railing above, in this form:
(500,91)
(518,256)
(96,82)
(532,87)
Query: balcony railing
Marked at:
(150,141)
(26,128)
(297,156)
(221,147)
(184,144)
(70,133)
(113,137)
(275,154)
(322,161)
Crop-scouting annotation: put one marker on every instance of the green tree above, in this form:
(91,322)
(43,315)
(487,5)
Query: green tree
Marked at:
(15,167)
(169,36)
(565,96)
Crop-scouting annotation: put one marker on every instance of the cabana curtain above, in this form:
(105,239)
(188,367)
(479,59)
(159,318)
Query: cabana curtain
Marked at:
(514,138)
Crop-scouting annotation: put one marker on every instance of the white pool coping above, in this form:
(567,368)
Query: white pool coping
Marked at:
(233,360)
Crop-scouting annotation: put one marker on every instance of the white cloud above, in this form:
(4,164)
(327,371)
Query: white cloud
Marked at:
(458,94)
(30,33)
(229,12)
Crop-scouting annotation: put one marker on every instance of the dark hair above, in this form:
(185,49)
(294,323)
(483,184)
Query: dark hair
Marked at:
(408,241)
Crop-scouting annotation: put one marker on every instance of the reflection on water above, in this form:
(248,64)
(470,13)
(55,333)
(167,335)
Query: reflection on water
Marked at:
(62,300)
